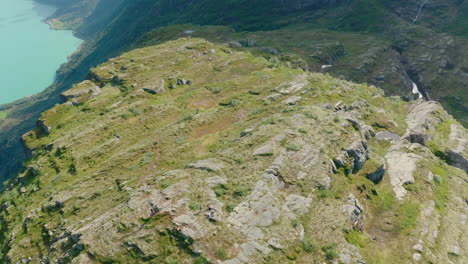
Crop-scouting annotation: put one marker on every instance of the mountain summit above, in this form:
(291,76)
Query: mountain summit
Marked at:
(192,152)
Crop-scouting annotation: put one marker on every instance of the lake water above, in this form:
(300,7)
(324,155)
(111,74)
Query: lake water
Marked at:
(30,52)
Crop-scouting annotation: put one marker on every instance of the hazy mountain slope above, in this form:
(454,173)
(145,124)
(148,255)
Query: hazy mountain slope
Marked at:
(190,152)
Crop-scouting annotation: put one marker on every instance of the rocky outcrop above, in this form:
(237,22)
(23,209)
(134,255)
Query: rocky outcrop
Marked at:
(126,177)
(81,92)
(354,157)
(377,175)
(355,213)
(458,153)
(43,126)
(214,165)
(156,89)
(400,167)
(386,135)
(422,117)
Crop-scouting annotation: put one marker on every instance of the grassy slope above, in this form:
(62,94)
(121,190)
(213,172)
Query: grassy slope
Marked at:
(125,140)
(135,18)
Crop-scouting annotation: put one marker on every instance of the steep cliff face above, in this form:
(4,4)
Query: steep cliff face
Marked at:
(192,152)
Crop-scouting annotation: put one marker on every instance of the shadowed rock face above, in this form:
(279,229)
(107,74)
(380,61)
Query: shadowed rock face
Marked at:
(212,172)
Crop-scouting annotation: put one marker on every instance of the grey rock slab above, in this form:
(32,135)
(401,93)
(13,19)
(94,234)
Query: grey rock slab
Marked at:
(212,164)
(295,86)
(272,98)
(266,150)
(292,100)
(296,205)
(386,135)
(401,166)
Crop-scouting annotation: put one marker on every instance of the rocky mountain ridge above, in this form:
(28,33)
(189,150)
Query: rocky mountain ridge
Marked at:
(193,152)
(348,35)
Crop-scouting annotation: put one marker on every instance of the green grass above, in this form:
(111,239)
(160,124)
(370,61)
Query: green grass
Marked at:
(309,244)
(293,147)
(194,206)
(358,239)
(408,214)
(330,252)
(364,15)
(241,190)
(441,186)
(151,142)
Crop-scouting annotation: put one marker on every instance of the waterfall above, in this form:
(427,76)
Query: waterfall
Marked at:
(421,6)
(416,90)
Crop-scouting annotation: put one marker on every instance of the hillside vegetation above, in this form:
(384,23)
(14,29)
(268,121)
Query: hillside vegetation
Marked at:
(390,44)
(193,152)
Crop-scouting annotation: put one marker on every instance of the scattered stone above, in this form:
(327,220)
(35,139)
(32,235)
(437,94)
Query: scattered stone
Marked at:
(357,105)
(367,131)
(377,175)
(430,176)
(208,165)
(43,125)
(292,100)
(271,98)
(386,135)
(359,154)
(294,86)
(418,247)
(275,243)
(181,81)
(455,250)
(246,132)
(355,212)
(22,190)
(327,106)
(265,150)
(339,106)
(156,89)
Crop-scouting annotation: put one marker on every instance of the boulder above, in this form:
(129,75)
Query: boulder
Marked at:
(271,98)
(181,81)
(387,135)
(246,132)
(294,86)
(353,157)
(155,89)
(265,150)
(378,174)
(423,117)
(212,164)
(292,100)
(355,212)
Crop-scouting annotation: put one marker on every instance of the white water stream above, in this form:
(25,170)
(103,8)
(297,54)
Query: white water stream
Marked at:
(421,6)
(416,90)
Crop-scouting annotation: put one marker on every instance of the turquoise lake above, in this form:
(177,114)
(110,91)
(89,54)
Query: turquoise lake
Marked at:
(30,52)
